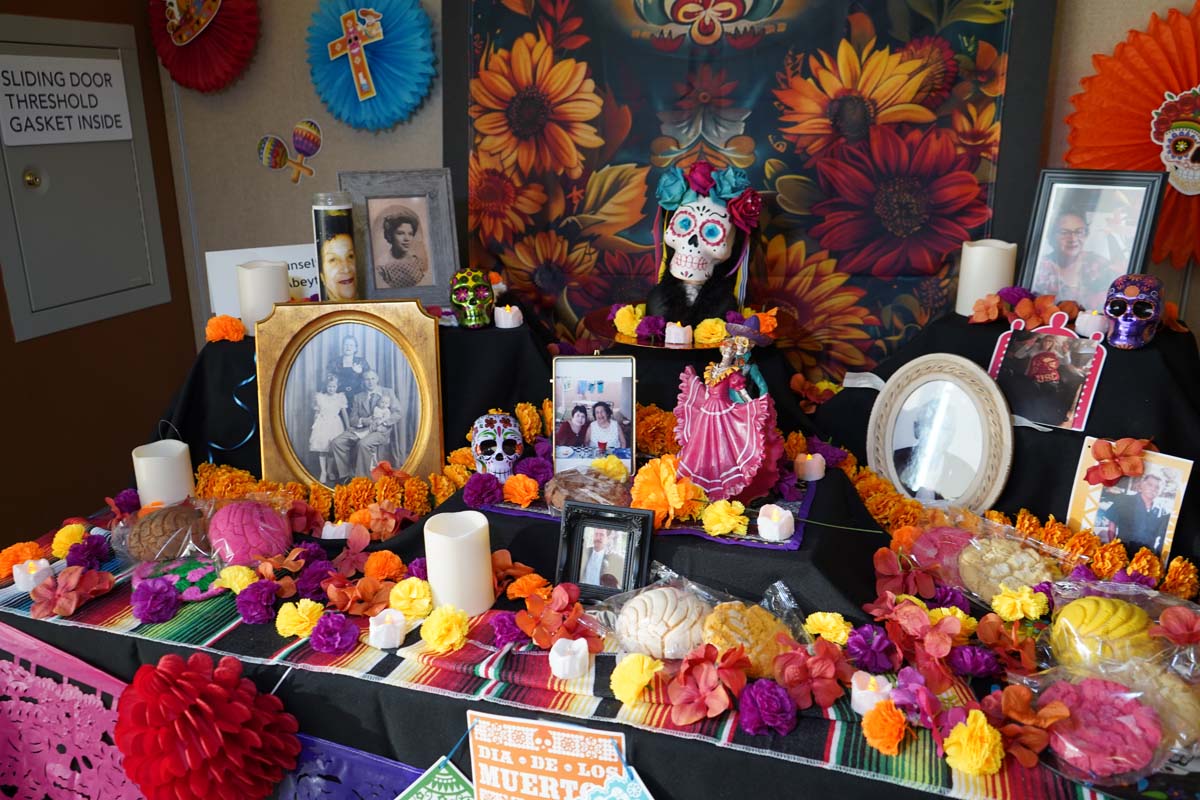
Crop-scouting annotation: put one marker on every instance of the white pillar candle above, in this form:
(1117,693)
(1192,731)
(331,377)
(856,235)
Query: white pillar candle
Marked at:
(810,466)
(29,575)
(1089,322)
(867,690)
(678,334)
(261,284)
(164,472)
(569,659)
(458,554)
(987,266)
(775,524)
(387,629)
(508,317)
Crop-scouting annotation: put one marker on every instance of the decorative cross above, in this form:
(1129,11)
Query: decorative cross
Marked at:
(354,36)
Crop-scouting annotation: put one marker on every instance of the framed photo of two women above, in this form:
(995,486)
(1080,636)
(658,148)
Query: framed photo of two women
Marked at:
(1089,227)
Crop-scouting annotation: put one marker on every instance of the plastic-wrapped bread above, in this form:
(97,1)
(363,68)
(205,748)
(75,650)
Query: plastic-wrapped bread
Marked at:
(1094,629)
(166,534)
(662,623)
(986,564)
(751,626)
(586,486)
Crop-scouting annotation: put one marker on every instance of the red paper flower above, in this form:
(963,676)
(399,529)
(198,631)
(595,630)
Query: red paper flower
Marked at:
(505,571)
(64,594)
(745,209)
(731,665)
(900,576)
(560,617)
(365,597)
(187,731)
(354,557)
(1179,625)
(1115,460)
(815,678)
(697,694)
(1015,650)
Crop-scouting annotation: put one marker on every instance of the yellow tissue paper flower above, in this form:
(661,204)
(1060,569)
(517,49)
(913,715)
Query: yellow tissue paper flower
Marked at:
(724,517)
(530,420)
(446,629)
(1023,603)
(974,747)
(611,466)
(830,626)
(969,623)
(236,578)
(632,675)
(710,331)
(628,317)
(298,619)
(67,536)
(412,597)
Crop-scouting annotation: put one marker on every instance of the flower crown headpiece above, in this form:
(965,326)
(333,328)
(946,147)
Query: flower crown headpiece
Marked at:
(729,187)
(1182,110)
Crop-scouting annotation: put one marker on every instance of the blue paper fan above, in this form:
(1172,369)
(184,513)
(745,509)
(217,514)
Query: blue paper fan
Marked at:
(401,63)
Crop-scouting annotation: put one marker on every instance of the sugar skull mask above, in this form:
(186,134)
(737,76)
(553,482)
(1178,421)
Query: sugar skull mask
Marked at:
(497,443)
(701,233)
(1175,126)
(472,298)
(1134,304)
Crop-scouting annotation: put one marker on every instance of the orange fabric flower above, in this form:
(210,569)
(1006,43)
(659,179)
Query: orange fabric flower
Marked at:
(505,570)
(1181,579)
(658,487)
(521,489)
(1109,558)
(384,565)
(457,474)
(361,517)
(810,394)
(1115,460)
(1070,308)
(463,456)
(16,554)
(441,487)
(224,328)
(884,727)
(320,499)
(1145,562)
(987,309)
(529,584)
(1036,313)
(365,597)
(416,496)
(794,445)
(904,537)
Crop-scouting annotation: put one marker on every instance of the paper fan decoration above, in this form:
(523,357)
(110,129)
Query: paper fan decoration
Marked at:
(204,44)
(1138,112)
(372,67)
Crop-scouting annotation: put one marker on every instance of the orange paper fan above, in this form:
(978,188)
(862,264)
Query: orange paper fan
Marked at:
(1112,122)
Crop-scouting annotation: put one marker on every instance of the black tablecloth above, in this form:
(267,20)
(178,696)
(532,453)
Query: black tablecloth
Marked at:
(1149,393)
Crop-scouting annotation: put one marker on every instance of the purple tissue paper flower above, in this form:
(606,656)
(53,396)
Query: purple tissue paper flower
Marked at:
(256,603)
(334,634)
(482,489)
(613,309)
(765,706)
(870,649)
(651,327)
(834,456)
(540,469)
(542,447)
(89,553)
(1125,576)
(1083,573)
(1046,588)
(788,491)
(312,552)
(973,661)
(308,585)
(504,626)
(155,600)
(734,318)
(1015,294)
(950,597)
(127,501)
(566,349)
(417,569)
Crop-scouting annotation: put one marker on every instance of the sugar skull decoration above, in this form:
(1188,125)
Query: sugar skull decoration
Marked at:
(711,215)
(472,297)
(497,443)
(1134,305)
(1176,128)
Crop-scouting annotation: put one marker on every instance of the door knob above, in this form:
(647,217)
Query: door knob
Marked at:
(32,179)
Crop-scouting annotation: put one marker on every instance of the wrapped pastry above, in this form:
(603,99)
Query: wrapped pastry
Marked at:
(1094,629)
(751,626)
(165,534)
(1111,733)
(586,486)
(662,623)
(985,564)
(245,532)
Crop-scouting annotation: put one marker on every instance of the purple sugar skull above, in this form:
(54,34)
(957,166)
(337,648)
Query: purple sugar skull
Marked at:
(1135,305)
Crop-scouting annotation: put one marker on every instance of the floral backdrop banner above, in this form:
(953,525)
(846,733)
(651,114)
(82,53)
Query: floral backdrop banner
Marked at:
(871,127)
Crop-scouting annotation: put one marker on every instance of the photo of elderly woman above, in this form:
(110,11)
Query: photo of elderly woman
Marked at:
(593,411)
(398,230)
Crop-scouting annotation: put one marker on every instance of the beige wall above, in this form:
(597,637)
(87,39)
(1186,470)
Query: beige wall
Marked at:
(1085,28)
(227,199)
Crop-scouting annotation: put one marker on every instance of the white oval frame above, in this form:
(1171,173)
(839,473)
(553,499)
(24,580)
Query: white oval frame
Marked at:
(990,405)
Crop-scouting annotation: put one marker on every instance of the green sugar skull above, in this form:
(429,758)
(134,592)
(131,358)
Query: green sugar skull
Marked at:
(472,298)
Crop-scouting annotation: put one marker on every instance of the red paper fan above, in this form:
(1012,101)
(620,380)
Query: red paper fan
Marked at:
(204,44)
(1112,125)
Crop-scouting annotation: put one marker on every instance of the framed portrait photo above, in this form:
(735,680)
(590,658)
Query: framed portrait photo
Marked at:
(344,386)
(1089,227)
(604,549)
(404,229)
(593,410)
(1142,511)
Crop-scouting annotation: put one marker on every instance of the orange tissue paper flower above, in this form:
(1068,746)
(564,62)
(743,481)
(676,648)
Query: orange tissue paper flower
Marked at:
(384,565)
(16,554)
(361,517)
(416,496)
(462,456)
(529,584)
(1146,562)
(659,488)
(1109,559)
(521,489)
(1181,579)
(884,727)
(224,328)
(987,309)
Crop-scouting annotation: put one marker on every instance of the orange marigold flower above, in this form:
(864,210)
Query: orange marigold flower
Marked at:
(463,457)
(390,489)
(16,554)
(295,490)
(320,498)
(224,328)
(1181,579)
(656,431)
(416,496)
(1054,533)
(223,482)
(904,537)
(350,497)
(906,513)
(998,517)
(361,517)
(384,565)
(1145,562)
(1027,524)
(530,421)
(457,474)
(849,463)
(658,487)
(268,487)
(548,415)
(1109,558)
(794,445)
(1083,544)
(441,487)
(884,727)
(521,489)
(527,585)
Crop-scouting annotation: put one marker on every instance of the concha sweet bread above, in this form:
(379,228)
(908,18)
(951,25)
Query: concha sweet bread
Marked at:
(987,563)
(245,532)
(1093,629)
(164,535)
(662,623)
(753,627)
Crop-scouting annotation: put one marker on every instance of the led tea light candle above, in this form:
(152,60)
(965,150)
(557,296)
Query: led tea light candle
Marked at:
(775,524)
(678,334)
(508,317)
(261,284)
(388,629)
(987,266)
(458,553)
(867,690)
(1089,322)
(29,575)
(164,472)
(569,659)
(339,530)
(810,466)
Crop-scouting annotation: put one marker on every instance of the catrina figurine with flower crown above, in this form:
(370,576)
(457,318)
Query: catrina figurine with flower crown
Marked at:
(704,249)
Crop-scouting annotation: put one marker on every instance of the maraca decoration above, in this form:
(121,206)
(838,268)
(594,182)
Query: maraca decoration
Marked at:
(273,152)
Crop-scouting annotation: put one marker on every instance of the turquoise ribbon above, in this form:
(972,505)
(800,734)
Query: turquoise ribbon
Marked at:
(238,402)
